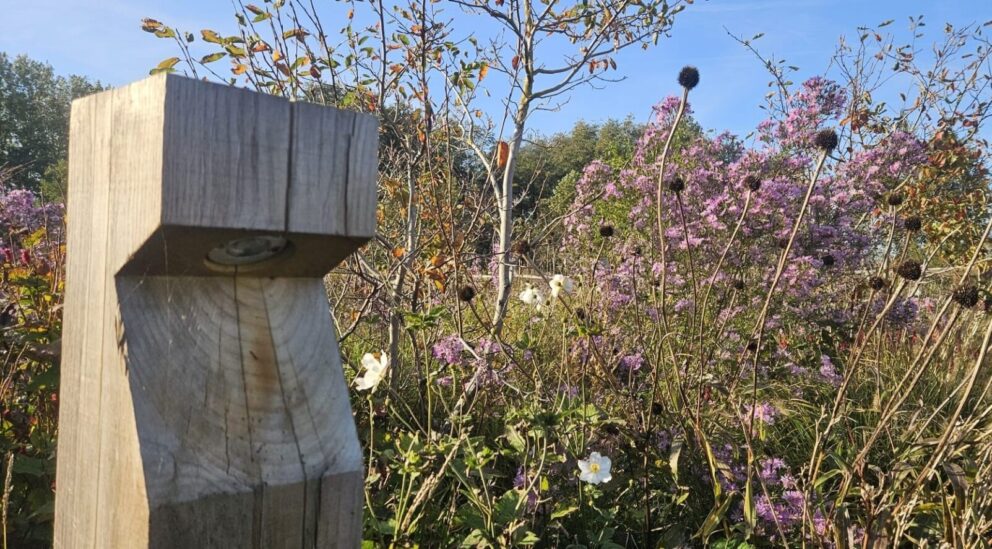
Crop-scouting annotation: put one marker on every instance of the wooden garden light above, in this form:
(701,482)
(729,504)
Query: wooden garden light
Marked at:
(202,398)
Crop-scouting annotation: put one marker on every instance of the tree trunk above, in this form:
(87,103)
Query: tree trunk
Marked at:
(505,197)
(396,291)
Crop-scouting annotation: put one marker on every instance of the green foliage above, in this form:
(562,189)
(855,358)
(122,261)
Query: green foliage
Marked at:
(34,116)
(31,290)
(544,162)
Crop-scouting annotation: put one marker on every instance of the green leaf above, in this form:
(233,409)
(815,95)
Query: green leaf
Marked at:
(563,512)
(530,538)
(212,57)
(713,519)
(475,539)
(507,507)
(35,467)
(673,459)
(167,65)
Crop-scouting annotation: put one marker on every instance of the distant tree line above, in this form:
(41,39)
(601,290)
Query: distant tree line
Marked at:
(34,122)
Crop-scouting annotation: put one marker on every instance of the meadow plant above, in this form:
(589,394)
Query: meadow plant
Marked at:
(734,345)
(31,287)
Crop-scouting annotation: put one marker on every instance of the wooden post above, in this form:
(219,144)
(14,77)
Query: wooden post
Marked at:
(203,402)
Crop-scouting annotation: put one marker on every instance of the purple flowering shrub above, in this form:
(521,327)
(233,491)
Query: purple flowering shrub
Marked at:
(766,315)
(31,286)
(731,343)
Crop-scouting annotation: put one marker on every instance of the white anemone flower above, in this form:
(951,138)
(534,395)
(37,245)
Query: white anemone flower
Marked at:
(560,283)
(375,371)
(531,296)
(596,469)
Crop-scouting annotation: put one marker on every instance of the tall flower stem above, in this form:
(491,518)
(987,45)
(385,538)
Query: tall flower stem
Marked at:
(759,328)
(659,218)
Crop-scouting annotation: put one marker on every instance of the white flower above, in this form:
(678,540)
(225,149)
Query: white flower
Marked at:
(596,469)
(560,283)
(531,296)
(375,371)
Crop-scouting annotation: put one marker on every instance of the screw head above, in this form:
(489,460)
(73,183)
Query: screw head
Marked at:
(247,250)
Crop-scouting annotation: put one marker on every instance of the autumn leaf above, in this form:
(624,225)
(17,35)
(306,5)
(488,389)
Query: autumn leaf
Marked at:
(515,62)
(502,153)
(240,68)
(150,25)
(483,71)
(398,252)
(211,36)
(298,34)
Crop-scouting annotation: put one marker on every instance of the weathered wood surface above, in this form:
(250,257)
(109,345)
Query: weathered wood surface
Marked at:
(203,408)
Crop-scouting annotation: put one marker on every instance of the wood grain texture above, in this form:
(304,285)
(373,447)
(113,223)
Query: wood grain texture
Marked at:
(332,185)
(226,157)
(238,391)
(208,409)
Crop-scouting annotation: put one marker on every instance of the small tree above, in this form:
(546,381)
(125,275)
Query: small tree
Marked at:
(592,34)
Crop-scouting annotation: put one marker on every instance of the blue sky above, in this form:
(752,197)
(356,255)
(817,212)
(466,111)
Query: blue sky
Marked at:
(102,39)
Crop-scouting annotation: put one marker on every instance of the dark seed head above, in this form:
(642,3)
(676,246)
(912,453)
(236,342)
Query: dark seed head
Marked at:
(737,284)
(752,346)
(688,77)
(466,293)
(912,223)
(521,247)
(676,184)
(826,140)
(782,242)
(966,296)
(877,283)
(894,199)
(638,251)
(910,270)
(657,408)
(753,183)
(828,260)
(606,231)
(580,313)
